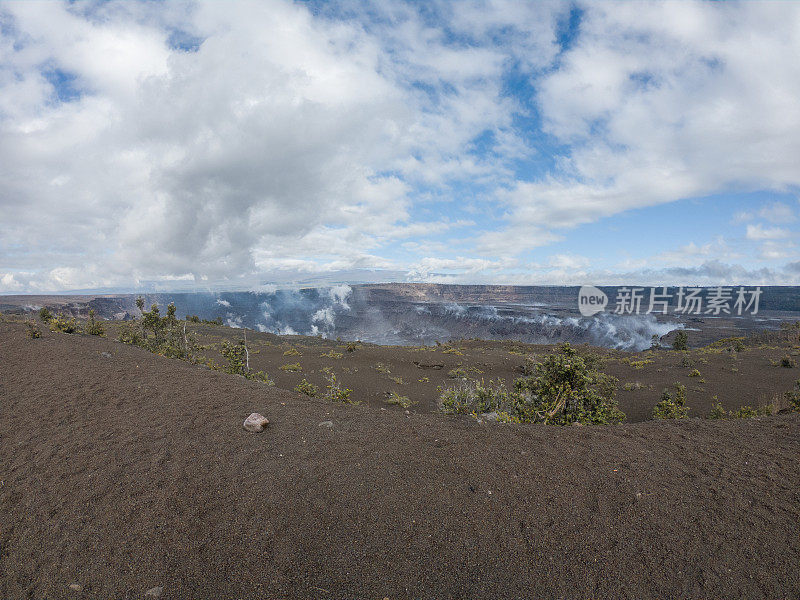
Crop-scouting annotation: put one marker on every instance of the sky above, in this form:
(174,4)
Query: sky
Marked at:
(228,145)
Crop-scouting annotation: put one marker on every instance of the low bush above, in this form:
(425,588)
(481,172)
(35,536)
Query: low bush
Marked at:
(165,336)
(45,315)
(293,367)
(672,405)
(292,352)
(564,388)
(62,324)
(307,388)
(397,399)
(237,362)
(334,390)
(694,373)
(475,398)
(33,330)
(457,373)
(332,354)
(787,362)
(717,412)
(681,341)
(745,412)
(93,326)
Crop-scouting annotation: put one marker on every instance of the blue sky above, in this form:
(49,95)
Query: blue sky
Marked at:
(225,145)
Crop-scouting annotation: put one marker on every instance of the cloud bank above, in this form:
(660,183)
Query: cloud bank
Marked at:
(237,143)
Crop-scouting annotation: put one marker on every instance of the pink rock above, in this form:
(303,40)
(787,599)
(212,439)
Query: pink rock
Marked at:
(256,422)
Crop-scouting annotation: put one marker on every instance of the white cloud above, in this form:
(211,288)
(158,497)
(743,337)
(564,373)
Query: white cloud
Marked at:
(293,143)
(778,212)
(663,101)
(759,232)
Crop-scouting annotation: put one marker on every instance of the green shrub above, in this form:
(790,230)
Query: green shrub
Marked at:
(745,412)
(564,388)
(192,318)
(307,388)
(236,356)
(457,373)
(694,373)
(62,324)
(567,388)
(45,315)
(401,401)
(717,412)
(334,390)
(93,326)
(672,405)
(292,352)
(33,330)
(293,367)
(787,362)
(681,341)
(332,354)
(352,347)
(793,397)
(475,397)
(129,333)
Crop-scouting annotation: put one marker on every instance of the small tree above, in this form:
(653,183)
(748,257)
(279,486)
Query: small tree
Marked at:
(681,341)
(238,364)
(672,405)
(93,326)
(45,315)
(63,324)
(566,388)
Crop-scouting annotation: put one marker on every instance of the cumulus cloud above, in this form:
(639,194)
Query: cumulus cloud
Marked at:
(662,101)
(227,144)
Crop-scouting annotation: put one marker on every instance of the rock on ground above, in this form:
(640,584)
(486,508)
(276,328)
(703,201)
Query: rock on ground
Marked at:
(256,422)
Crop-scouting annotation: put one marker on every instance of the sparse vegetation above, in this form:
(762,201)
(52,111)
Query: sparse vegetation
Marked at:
(293,367)
(565,388)
(307,388)
(475,398)
(401,401)
(332,354)
(93,326)
(397,380)
(681,341)
(33,330)
(334,390)
(672,405)
(166,336)
(451,350)
(457,373)
(694,373)
(787,362)
(63,324)
(352,347)
(237,363)
(381,368)
(717,412)
(45,315)
(793,397)
(292,352)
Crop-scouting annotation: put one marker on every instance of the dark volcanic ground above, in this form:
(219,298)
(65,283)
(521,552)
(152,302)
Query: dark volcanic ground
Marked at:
(127,472)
